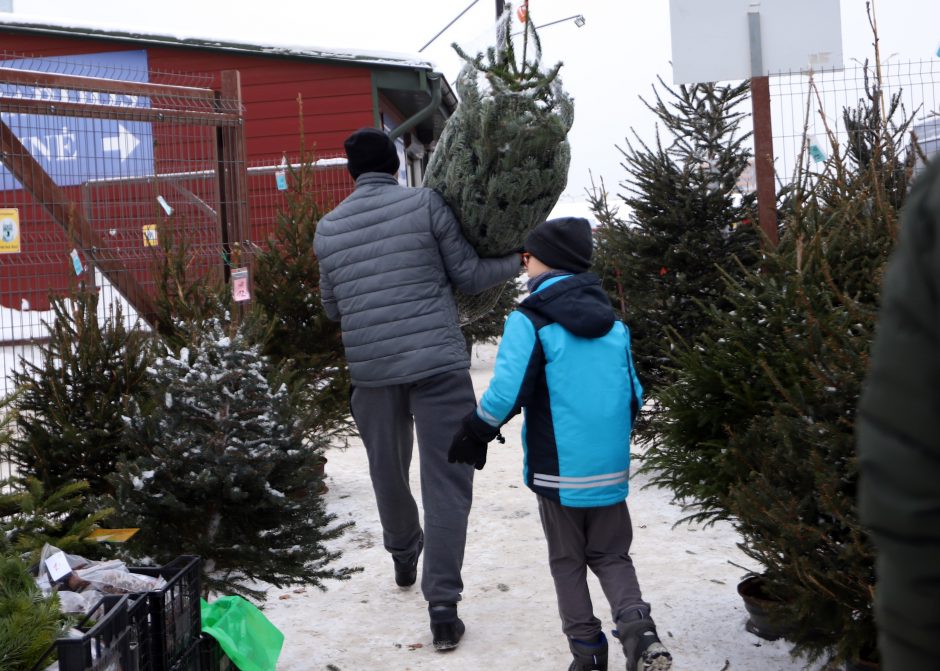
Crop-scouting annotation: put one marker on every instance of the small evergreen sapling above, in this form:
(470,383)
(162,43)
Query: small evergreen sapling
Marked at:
(29,621)
(297,335)
(31,517)
(227,475)
(71,406)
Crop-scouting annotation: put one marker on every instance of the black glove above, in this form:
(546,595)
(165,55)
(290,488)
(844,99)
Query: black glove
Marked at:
(466,449)
(469,444)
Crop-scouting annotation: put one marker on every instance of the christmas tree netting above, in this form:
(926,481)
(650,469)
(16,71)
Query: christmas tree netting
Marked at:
(502,160)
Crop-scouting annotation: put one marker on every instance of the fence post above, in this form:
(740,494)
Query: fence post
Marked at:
(764,158)
(233,178)
(763,133)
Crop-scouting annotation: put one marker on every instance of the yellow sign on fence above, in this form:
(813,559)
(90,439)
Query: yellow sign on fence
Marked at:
(9,231)
(151,237)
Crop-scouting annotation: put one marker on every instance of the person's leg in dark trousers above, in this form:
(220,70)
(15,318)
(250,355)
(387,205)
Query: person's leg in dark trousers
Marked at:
(598,538)
(439,404)
(609,535)
(385,424)
(565,535)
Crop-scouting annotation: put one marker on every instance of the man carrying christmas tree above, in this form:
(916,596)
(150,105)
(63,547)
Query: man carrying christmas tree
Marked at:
(389,256)
(566,359)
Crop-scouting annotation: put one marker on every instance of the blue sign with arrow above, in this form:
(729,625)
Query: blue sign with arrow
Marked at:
(75,150)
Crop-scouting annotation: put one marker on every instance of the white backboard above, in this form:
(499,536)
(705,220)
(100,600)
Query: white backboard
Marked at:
(711,38)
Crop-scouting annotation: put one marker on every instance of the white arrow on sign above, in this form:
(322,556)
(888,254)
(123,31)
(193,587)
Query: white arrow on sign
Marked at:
(124,142)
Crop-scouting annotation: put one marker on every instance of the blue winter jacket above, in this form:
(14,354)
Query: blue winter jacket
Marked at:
(565,360)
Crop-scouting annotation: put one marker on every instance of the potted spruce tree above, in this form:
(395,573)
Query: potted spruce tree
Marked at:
(758,427)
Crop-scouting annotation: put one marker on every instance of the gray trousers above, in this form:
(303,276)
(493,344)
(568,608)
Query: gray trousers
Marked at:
(595,538)
(387,418)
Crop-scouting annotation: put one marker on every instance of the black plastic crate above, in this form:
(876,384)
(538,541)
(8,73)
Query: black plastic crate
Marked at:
(213,657)
(174,613)
(104,644)
(190,659)
(140,650)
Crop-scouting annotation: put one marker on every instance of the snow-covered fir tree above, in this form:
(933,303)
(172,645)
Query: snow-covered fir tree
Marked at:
(228,474)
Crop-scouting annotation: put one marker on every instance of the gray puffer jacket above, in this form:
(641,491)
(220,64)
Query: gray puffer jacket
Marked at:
(388,256)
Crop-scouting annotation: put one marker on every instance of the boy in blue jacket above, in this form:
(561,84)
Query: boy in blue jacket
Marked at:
(565,360)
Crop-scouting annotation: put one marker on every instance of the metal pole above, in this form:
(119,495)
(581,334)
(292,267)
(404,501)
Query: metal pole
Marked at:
(763,133)
(499,9)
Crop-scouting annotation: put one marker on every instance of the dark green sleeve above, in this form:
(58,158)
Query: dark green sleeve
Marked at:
(898,434)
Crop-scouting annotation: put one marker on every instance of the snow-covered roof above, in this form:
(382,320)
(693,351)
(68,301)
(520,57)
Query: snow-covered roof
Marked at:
(99,30)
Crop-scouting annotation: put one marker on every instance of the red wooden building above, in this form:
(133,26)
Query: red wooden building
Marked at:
(114,203)
(342,91)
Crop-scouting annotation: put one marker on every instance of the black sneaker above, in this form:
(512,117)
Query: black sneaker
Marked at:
(641,645)
(406,573)
(446,627)
(589,656)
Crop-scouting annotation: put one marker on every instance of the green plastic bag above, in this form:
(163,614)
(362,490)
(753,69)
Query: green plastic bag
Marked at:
(243,632)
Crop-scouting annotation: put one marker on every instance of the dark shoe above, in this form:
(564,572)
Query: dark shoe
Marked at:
(406,573)
(446,627)
(589,656)
(641,645)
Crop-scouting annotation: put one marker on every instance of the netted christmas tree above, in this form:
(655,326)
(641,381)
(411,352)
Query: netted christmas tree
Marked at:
(758,425)
(502,160)
(227,473)
(71,406)
(686,220)
(488,327)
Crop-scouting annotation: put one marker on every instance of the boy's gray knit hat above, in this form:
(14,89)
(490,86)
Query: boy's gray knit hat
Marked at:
(563,244)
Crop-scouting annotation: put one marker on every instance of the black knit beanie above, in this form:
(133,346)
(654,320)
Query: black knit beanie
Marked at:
(562,244)
(370,150)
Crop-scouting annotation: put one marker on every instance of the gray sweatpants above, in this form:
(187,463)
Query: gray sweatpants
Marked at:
(387,418)
(595,538)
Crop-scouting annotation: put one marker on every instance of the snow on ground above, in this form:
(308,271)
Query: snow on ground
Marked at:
(369,624)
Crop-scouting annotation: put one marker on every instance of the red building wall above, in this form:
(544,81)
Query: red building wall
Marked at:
(337,99)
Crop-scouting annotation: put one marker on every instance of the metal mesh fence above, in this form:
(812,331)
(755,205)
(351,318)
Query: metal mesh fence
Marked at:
(23,325)
(95,161)
(808,110)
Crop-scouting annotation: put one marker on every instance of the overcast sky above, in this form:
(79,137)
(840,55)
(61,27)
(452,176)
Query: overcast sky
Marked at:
(610,61)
